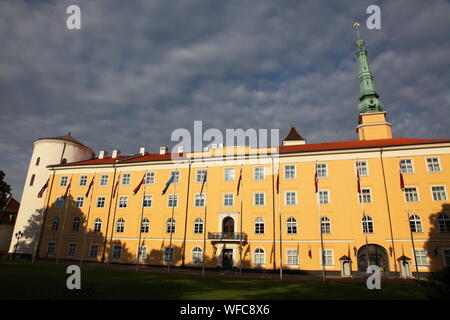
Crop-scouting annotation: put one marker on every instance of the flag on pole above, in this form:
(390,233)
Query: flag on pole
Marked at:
(316,180)
(278,182)
(90,186)
(358,179)
(67,189)
(239,182)
(171,179)
(203,183)
(43,189)
(402,182)
(115,187)
(139,185)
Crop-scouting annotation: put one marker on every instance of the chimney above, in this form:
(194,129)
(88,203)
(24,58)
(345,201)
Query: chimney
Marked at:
(180,149)
(163,150)
(102,154)
(115,153)
(142,151)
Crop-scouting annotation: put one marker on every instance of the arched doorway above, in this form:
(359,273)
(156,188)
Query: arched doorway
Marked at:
(377,256)
(228,225)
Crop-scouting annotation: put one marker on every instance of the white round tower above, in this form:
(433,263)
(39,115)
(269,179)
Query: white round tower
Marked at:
(46,151)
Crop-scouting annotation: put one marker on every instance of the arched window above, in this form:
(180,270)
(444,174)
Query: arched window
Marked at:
(326,225)
(145,225)
(259,225)
(75,224)
(291,225)
(367,224)
(32,179)
(444,222)
(97,225)
(170,225)
(197,255)
(64,161)
(120,225)
(38,160)
(198,226)
(415,223)
(259,256)
(55,223)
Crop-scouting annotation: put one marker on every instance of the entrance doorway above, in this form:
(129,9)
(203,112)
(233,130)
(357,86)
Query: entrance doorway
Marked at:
(377,256)
(228,225)
(227,258)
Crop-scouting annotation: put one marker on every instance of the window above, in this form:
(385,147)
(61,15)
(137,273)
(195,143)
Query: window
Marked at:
(446,257)
(63,181)
(72,250)
(433,165)
(411,194)
(406,166)
(172,200)
(38,160)
(197,255)
(362,168)
(259,256)
(170,225)
(79,202)
(168,255)
(150,178)
(126,179)
(117,252)
(59,202)
(83,181)
(325,225)
(104,180)
(259,198)
(415,223)
(147,201)
(367,224)
(258,173)
(327,256)
(100,202)
(292,257)
(145,225)
(365,196)
(93,251)
(259,226)
(198,226)
(229,174)
(291,198)
(76,224)
(142,255)
(228,200)
(421,257)
(32,179)
(97,225)
(322,171)
(324,197)
(291,225)
(51,248)
(176,175)
(289,172)
(199,200)
(55,223)
(123,202)
(439,193)
(120,226)
(200,175)
(444,223)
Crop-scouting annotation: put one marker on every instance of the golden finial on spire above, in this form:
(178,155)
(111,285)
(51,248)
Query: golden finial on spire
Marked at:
(356,25)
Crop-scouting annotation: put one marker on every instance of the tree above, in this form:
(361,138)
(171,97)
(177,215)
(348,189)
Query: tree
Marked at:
(5,190)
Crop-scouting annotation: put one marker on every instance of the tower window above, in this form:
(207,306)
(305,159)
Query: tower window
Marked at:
(32,180)
(38,160)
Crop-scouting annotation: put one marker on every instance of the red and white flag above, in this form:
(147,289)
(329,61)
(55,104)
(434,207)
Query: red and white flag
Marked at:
(43,189)
(316,180)
(90,186)
(358,179)
(115,187)
(140,184)
(239,182)
(278,182)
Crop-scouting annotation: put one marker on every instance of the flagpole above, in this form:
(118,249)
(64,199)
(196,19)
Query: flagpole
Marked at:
(281,228)
(87,222)
(204,228)
(114,218)
(140,223)
(67,194)
(171,251)
(240,224)
(322,253)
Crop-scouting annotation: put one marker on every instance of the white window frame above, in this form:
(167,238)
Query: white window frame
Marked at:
(199,200)
(445,193)
(145,228)
(292,224)
(100,201)
(321,169)
(197,255)
(199,224)
(361,196)
(417,193)
(97,222)
(286,201)
(328,221)
(255,196)
(172,223)
(174,199)
(59,202)
(114,252)
(200,175)
(79,202)
(367,167)
(426,256)
(261,264)
(371,221)
(103,178)
(177,175)
(63,180)
(328,196)
(142,253)
(123,202)
(416,223)
(286,177)
(90,256)
(83,180)
(54,249)
(147,201)
(225,200)
(75,250)
(296,257)
(122,225)
(227,177)
(412,166)
(125,179)
(257,175)
(438,162)
(259,223)
(150,178)
(170,255)
(332,258)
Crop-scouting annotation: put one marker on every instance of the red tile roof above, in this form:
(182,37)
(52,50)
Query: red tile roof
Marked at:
(328,146)
(11,205)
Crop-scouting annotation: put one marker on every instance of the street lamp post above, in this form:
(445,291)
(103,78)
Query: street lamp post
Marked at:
(18,236)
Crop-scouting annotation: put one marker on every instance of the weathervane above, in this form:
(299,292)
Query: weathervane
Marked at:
(356,25)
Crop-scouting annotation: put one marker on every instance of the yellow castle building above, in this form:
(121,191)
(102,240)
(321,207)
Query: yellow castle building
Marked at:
(306,208)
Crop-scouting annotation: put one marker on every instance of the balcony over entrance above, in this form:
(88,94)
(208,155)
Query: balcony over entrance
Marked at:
(227,236)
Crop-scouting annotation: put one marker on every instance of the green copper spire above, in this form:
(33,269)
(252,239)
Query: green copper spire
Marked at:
(367,93)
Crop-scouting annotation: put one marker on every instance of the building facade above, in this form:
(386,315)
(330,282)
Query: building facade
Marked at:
(301,207)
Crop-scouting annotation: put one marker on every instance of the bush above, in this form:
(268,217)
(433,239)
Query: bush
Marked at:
(438,285)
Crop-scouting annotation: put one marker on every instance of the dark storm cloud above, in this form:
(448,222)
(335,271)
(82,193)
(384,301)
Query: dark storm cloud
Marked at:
(139,69)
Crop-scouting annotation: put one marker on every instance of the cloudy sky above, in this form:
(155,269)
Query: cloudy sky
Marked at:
(137,70)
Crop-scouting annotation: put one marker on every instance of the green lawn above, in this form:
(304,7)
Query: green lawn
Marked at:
(23,280)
